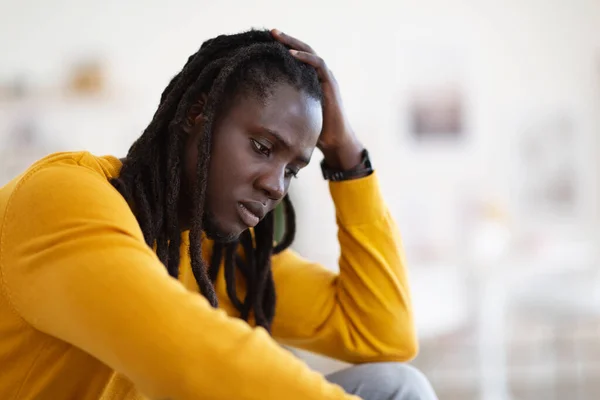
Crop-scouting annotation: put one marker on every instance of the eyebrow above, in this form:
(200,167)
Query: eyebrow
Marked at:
(303,159)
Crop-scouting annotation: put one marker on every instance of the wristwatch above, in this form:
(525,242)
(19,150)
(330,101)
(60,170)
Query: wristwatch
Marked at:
(364,168)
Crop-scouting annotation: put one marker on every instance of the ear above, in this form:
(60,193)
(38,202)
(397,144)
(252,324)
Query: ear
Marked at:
(195,115)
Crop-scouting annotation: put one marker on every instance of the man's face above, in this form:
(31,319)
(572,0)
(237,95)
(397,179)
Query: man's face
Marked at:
(257,148)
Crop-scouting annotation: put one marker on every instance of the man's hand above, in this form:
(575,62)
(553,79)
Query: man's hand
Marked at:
(338,142)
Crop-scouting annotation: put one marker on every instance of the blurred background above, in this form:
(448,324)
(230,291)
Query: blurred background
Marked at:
(482,119)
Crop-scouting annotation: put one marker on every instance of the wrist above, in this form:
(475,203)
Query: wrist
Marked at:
(362,169)
(345,156)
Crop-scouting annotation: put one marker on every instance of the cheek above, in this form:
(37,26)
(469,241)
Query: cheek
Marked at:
(232,161)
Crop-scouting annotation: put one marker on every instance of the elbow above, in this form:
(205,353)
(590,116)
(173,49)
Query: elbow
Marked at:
(400,347)
(394,344)
(400,337)
(399,350)
(404,349)
(397,343)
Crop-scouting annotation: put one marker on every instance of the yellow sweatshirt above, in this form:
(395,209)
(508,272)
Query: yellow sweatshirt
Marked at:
(87,311)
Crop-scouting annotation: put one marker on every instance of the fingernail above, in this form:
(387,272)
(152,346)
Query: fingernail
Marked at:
(294,52)
(277,31)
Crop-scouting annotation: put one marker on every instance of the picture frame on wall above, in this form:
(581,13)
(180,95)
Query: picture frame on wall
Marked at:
(436,113)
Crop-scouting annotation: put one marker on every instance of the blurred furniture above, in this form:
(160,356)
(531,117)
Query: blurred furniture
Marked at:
(558,284)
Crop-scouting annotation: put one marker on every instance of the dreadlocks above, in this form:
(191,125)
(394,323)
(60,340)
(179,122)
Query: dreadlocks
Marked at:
(150,180)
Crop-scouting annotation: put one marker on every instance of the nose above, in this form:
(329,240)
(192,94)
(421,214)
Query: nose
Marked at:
(272,182)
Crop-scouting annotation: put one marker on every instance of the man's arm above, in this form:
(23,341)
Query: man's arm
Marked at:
(75,266)
(364,313)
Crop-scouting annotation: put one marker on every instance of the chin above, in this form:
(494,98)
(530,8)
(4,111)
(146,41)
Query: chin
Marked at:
(222,237)
(217,232)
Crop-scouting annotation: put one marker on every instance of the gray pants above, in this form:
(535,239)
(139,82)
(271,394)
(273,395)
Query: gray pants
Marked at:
(384,381)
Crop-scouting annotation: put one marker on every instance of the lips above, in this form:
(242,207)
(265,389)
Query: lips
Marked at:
(251,212)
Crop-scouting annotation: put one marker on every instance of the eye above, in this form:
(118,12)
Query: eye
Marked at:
(291,173)
(260,148)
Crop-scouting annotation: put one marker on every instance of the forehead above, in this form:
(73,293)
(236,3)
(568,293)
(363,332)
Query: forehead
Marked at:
(293,114)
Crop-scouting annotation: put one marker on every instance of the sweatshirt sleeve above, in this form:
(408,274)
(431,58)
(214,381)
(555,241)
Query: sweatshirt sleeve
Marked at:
(364,313)
(75,266)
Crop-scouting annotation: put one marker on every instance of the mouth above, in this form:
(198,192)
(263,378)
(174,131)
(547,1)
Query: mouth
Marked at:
(250,213)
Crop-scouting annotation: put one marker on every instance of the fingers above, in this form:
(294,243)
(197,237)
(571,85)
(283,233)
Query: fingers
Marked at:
(292,41)
(315,61)
(309,58)
(305,53)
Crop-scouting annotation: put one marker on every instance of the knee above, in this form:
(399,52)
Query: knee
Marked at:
(412,381)
(405,381)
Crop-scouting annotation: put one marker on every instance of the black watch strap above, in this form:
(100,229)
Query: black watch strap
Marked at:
(364,168)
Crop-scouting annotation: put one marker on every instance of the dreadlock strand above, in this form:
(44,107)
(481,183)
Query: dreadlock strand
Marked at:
(172,202)
(162,250)
(199,270)
(143,207)
(215,261)
(199,194)
(230,251)
(248,265)
(264,249)
(269,298)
